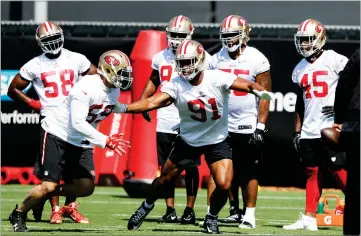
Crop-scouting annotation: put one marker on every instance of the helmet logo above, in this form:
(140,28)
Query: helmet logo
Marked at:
(200,49)
(241,21)
(111,60)
(319,28)
(190,27)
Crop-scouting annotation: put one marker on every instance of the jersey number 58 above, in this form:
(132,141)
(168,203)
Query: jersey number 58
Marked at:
(66,82)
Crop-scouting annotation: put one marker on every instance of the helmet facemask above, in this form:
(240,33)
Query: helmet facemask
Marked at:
(188,68)
(51,43)
(307,45)
(120,79)
(175,39)
(233,40)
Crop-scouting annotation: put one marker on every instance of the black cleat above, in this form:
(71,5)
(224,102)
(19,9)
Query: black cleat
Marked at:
(18,220)
(211,224)
(169,217)
(137,218)
(38,211)
(188,217)
(235,216)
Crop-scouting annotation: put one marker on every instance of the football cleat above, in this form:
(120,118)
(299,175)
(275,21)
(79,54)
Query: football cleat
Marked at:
(38,211)
(57,215)
(211,224)
(188,217)
(235,216)
(304,222)
(72,212)
(139,215)
(18,220)
(169,217)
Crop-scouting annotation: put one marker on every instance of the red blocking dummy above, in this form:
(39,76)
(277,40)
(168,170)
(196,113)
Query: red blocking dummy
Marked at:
(142,160)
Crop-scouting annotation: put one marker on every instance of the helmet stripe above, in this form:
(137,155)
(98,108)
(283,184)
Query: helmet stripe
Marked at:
(175,21)
(225,22)
(185,47)
(126,57)
(181,19)
(229,21)
(46,27)
(305,23)
(51,27)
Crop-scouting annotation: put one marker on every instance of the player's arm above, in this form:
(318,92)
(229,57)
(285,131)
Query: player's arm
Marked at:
(91,71)
(151,86)
(149,89)
(152,103)
(244,85)
(15,92)
(300,108)
(264,79)
(79,108)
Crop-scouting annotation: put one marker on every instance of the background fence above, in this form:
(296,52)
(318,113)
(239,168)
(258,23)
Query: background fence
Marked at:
(282,165)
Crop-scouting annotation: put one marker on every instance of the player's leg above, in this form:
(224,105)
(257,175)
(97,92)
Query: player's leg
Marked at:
(79,181)
(336,163)
(249,161)
(311,156)
(164,147)
(172,168)
(219,160)
(351,142)
(211,185)
(50,170)
(192,183)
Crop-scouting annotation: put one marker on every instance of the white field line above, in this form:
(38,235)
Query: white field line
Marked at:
(140,201)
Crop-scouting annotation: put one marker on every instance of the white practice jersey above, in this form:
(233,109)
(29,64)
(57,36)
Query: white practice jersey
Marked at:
(243,107)
(163,62)
(203,109)
(88,103)
(53,78)
(318,81)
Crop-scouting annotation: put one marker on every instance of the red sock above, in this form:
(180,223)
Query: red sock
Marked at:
(341,176)
(313,189)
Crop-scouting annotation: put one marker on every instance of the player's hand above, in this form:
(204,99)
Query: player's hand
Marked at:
(257,138)
(35,104)
(146,116)
(116,143)
(338,127)
(328,111)
(296,141)
(264,95)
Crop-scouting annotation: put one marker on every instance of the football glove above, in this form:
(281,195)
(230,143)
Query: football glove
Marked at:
(35,104)
(146,116)
(328,111)
(116,143)
(296,141)
(257,138)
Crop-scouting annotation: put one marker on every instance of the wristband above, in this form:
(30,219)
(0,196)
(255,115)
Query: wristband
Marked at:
(261,126)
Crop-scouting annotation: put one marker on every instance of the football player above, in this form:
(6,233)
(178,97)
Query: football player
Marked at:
(247,116)
(317,77)
(69,132)
(179,29)
(52,74)
(201,97)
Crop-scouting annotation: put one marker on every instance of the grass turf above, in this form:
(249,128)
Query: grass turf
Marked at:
(109,209)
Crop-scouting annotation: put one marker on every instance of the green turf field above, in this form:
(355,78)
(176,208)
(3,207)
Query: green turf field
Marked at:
(109,209)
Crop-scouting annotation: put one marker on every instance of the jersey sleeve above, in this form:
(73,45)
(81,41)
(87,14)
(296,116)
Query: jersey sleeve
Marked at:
(340,62)
(170,89)
(225,79)
(84,64)
(80,101)
(28,71)
(213,62)
(155,62)
(262,64)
